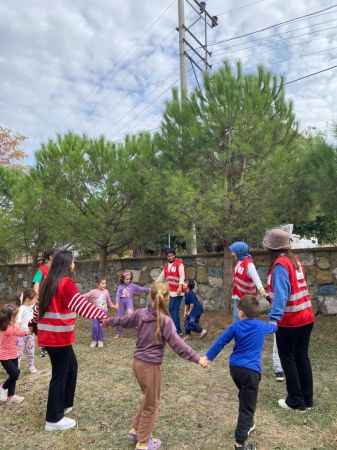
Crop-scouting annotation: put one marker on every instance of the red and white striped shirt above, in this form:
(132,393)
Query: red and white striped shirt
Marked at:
(56,328)
(8,338)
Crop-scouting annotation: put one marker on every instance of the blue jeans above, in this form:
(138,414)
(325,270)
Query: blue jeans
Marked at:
(192,323)
(174,310)
(235,310)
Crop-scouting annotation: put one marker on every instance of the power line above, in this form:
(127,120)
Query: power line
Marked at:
(304,77)
(241,7)
(270,27)
(263,42)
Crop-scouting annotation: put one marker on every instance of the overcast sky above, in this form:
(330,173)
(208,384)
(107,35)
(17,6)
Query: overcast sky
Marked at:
(107,67)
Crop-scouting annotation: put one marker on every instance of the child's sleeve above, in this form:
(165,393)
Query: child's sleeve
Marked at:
(270,327)
(140,289)
(177,344)
(15,331)
(118,294)
(220,342)
(127,321)
(79,304)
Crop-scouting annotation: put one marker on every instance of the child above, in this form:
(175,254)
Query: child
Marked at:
(26,344)
(9,352)
(101,298)
(193,312)
(155,328)
(124,296)
(244,363)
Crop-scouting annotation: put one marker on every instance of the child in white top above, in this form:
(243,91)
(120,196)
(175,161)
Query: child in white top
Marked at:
(26,344)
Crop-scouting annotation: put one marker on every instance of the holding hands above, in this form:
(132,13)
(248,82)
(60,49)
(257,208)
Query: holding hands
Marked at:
(203,362)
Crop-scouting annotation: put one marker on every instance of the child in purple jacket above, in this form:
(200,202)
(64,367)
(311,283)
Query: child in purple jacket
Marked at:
(124,296)
(155,328)
(101,298)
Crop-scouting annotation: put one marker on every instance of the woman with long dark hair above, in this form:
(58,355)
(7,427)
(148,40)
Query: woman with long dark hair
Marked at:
(55,315)
(292,309)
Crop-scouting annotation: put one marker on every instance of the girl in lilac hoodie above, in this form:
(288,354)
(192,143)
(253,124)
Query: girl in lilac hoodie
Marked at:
(155,328)
(124,296)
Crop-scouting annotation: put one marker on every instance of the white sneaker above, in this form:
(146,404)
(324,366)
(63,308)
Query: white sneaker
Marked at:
(3,394)
(33,370)
(93,344)
(100,344)
(64,424)
(283,404)
(68,410)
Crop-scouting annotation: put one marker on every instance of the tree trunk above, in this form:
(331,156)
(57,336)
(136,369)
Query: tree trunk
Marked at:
(194,247)
(103,256)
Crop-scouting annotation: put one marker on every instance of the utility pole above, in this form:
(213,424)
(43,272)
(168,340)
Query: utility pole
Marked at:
(182,49)
(194,44)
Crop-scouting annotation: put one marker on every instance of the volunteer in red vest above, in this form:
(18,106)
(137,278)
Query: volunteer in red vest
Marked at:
(292,309)
(246,280)
(39,276)
(174,274)
(55,315)
(43,269)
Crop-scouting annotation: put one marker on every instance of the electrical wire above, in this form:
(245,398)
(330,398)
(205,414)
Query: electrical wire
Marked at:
(270,27)
(304,77)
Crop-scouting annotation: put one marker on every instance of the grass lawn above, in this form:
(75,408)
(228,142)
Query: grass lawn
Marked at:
(198,407)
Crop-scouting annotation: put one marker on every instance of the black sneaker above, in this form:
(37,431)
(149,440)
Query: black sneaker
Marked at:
(43,353)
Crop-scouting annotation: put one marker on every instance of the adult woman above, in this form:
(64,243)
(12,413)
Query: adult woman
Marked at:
(292,309)
(55,315)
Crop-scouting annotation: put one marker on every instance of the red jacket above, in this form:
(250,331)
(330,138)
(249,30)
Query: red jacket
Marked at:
(56,327)
(242,283)
(44,269)
(298,311)
(172,274)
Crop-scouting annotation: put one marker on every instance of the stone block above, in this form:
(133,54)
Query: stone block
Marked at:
(327,304)
(202,274)
(215,282)
(307,259)
(323,263)
(190,272)
(215,272)
(324,277)
(155,273)
(263,272)
(326,289)
(334,273)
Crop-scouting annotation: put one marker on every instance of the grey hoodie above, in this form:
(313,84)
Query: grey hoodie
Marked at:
(147,347)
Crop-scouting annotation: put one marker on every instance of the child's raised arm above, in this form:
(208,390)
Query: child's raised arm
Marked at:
(177,344)
(127,321)
(220,342)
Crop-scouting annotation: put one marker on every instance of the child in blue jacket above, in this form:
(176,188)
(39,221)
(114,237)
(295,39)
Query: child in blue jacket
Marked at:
(193,312)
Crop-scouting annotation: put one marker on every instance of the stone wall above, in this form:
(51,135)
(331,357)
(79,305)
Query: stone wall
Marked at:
(207,269)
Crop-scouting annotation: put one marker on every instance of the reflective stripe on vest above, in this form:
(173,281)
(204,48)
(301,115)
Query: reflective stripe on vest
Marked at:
(299,307)
(298,296)
(55,328)
(52,315)
(246,284)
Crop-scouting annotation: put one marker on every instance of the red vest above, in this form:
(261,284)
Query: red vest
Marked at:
(44,269)
(172,274)
(242,283)
(298,311)
(56,326)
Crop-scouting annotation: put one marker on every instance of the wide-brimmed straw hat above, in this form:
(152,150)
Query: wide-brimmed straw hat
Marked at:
(276,239)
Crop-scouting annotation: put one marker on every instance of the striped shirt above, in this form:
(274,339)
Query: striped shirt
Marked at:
(8,338)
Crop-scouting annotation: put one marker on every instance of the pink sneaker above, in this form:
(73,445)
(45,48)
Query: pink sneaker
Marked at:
(15,399)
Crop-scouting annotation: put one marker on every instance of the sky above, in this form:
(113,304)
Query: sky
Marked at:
(108,67)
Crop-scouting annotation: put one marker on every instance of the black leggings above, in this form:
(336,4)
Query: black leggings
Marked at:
(11,366)
(63,381)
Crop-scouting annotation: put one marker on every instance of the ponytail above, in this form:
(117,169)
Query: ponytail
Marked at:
(159,297)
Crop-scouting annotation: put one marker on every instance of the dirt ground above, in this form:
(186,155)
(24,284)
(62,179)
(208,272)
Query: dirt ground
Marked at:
(198,407)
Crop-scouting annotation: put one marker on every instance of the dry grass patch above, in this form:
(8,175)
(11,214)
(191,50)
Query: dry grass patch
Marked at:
(198,408)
